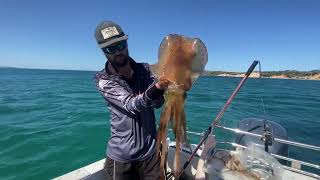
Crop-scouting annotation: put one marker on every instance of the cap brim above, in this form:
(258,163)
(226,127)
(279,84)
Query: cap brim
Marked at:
(103,45)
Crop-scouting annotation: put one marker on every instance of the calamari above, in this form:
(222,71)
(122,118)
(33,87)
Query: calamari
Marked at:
(181,61)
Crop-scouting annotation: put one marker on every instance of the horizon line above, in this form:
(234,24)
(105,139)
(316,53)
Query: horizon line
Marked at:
(206,70)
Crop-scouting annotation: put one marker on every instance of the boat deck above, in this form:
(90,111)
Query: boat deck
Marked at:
(95,170)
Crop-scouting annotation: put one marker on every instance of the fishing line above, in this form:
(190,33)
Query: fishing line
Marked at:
(261,84)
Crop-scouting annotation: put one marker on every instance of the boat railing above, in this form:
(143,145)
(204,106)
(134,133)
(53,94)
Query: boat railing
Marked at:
(238,131)
(295,164)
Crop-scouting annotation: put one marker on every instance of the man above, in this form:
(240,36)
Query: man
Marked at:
(131,93)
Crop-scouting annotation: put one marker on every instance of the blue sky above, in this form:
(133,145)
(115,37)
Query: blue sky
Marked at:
(282,34)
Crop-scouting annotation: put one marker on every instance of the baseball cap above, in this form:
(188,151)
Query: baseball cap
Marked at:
(108,32)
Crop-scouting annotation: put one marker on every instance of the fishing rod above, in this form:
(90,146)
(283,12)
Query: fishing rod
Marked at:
(218,117)
(249,71)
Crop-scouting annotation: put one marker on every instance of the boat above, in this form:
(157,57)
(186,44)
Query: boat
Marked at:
(256,130)
(259,151)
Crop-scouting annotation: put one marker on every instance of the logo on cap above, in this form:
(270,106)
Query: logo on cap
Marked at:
(109,32)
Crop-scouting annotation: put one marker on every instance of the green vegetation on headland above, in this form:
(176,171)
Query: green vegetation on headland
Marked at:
(287,74)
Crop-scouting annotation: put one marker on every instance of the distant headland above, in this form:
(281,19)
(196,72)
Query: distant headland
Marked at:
(287,74)
(7,67)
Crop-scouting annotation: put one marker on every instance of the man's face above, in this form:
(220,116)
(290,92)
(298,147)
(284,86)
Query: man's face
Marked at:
(117,53)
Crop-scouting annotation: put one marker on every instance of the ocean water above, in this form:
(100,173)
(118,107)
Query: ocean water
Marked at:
(52,121)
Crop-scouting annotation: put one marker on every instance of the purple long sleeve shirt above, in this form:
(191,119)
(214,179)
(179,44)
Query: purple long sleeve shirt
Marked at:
(132,119)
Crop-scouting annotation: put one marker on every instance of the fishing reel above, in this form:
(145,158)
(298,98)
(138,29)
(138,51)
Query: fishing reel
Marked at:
(267,137)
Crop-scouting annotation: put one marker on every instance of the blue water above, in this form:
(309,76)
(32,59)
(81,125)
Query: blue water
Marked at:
(52,122)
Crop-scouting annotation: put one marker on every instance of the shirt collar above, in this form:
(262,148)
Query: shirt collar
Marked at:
(110,70)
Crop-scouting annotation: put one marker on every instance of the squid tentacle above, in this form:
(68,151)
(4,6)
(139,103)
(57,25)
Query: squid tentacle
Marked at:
(177,119)
(173,112)
(162,134)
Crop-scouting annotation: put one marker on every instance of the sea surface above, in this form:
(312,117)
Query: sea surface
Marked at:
(55,121)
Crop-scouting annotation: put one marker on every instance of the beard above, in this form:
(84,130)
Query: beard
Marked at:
(120,61)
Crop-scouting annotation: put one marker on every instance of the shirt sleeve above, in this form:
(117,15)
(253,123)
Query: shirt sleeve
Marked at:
(157,103)
(117,95)
(155,96)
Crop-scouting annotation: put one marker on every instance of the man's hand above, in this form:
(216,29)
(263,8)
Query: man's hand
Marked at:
(157,89)
(162,84)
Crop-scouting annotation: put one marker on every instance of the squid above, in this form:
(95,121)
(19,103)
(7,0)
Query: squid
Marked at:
(180,61)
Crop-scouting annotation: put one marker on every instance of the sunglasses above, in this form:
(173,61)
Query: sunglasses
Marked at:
(112,49)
